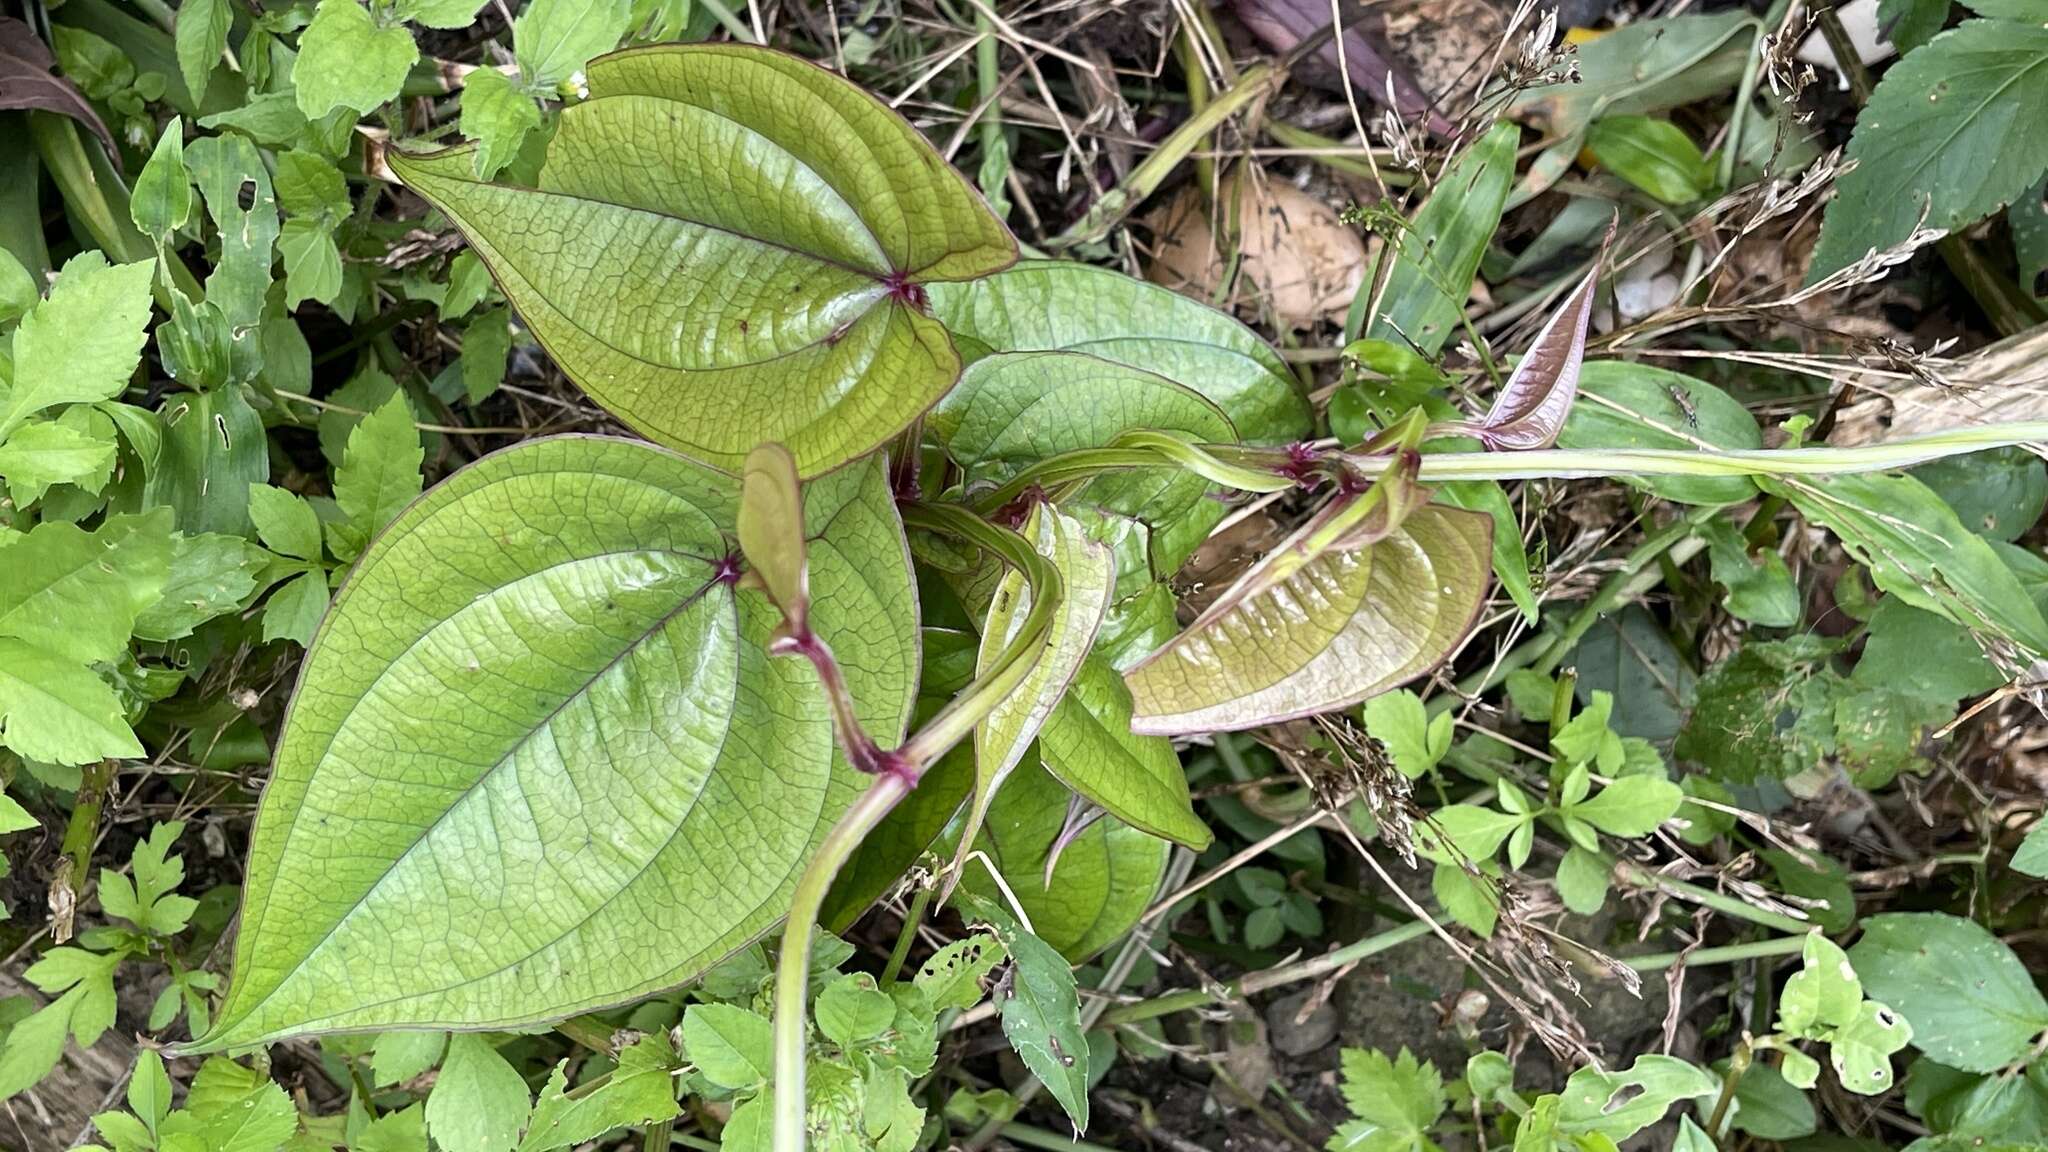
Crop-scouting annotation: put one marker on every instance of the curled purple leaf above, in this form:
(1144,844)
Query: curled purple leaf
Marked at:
(1282,24)
(1532,405)
(27,81)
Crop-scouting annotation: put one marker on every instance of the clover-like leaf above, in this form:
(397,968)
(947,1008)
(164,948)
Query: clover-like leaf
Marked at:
(536,712)
(1350,623)
(730,245)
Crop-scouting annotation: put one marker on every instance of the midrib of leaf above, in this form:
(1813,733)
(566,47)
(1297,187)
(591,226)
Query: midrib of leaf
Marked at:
(693,598)
(1971,119)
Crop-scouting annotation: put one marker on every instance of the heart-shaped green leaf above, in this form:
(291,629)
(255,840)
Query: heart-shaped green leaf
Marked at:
(1350,623)
(1056,306)
(1002,739)
(713,311)
(1102,880)
(532,734)
(1089,746)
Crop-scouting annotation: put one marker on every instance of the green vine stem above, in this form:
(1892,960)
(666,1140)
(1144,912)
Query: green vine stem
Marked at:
(896,772)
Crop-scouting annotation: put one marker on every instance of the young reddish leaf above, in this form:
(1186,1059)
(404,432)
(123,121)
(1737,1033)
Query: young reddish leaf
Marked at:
(1282,24)
(1532,405)
(27,81)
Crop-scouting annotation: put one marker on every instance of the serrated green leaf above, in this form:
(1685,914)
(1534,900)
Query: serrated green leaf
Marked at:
(733,1047)
(1767,711)
(851,1010)
(486,342)
(347,61)
(554,39)
(1910,23)
(201,34)
(1582,880)
(1041,1011)
(641,1090)
(379,473)
(560,660)
(76,594)
(1944,137)
(295,609)
(13,817)
(83,342)
(285,522)
(479,1103)
(952,977)
(57,711)
(312,263)
(1402,1097)
(497,116)
(790,317)
(1970,1002)
(310,185)
(46,453)
(1399,720)
(1349,624)
(1631,806)
(1466,832)
(439,13)
(1760,589)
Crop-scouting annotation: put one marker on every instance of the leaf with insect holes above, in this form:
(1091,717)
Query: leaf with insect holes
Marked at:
(1531,408)
(82,342)
(641,1091)
(1041,1010)
(1970,1001)
(1617,1105)
(1346,625)
(713,315)
(586,710)
(952,977)
(1002,739)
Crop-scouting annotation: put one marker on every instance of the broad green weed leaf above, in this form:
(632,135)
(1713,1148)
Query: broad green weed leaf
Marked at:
(2031,857)
(1971,1003)
(1466,832)
(1861,1048)
(13,817)
(1768,1107)
(1646,66)
(554,39)
(1582,880)
(76,594)
(479,1102)
(486,342)
(1399,720)
(46,453)
(1618,1105)
(400,1056)
(235,183)
(213,450)
(588,712)
(1087,744)
(1760,589)
(952,977)
(201,32)
(285,522)
(641,1090)
(1348,625)
(731,1046)
(851,1009)
(232,1109)
(18,289)
(1439,251)
(1624,405)
(1002,739)
(1917,550)
(1041,1011)
(1064,306)
(497,116)
(1102,880)
(711,317)
(294,610)
(161,202)
(379,474)
(312,263)
(83,342)
(1765,712)
(57,711)
(438,13)
(346,60)
(1824,992)
(1654,155)
(1631,806)
(1911,23)
(1948,134)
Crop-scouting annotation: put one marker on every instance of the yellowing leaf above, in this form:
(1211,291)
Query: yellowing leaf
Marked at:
(1348,624)
(713,314)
